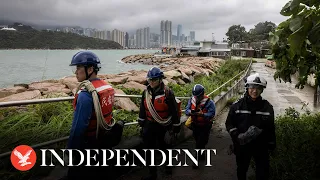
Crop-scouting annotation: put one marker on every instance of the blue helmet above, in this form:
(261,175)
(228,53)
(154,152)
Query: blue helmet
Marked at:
(86,58)
(198,90)
(155,73)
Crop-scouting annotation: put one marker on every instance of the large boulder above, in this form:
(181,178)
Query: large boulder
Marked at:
(185,70)
(4,92)
(71,82)
(185,77)
(27,95)
(106,76)
(180,81)
(165,82)
(172,74)
(141,79)
(124,103)
(49,87)
(134,85)
(118,80)
(171,81)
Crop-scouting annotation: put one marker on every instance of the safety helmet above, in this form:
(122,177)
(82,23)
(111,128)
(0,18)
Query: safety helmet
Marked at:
(255,79)
(155,73)
(197,90)
(86,58)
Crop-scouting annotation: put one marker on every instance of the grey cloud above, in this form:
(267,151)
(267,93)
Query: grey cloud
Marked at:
(202,16)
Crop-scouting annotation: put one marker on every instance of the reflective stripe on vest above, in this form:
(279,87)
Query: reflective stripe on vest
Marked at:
(249,112)
(199,119)
(106,98)
(160,106)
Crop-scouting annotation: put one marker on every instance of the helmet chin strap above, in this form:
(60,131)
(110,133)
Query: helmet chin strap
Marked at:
(86,70)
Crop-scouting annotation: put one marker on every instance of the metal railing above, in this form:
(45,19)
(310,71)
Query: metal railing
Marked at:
(49,100)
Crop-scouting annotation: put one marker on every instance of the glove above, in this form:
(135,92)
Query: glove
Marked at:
(140,122)
(251,134)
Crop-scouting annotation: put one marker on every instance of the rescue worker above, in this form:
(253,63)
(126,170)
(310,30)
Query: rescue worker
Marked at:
(83,133)
(158,117)
(202,111)
(250,123)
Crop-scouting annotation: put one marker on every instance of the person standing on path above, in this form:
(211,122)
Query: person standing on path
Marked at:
(158,117)
(250,123)
(202,110)
(91,128)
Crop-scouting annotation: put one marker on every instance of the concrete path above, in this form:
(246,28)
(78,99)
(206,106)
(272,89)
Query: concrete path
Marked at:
(223,165)
(284,95)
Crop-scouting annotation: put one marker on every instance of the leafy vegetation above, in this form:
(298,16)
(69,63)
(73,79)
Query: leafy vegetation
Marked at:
(296,41)
(260,32)
(297,155)
(27,38)
(223,74)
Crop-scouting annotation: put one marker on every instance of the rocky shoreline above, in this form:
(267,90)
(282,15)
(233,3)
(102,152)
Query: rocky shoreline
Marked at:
(177,71)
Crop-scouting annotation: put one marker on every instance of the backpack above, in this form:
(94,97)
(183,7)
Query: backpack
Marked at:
(178,102)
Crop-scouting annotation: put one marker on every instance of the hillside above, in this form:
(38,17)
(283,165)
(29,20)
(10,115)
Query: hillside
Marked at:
(28,38)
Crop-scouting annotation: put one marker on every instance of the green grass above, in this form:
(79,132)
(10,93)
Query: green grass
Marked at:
(34,124)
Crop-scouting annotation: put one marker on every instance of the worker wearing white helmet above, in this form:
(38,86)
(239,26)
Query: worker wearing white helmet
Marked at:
(250,123)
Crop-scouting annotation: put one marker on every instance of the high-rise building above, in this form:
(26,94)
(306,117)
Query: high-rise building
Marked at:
(192,36)
(109,35)
(183,38)
(126,43)
(118,36)
(166,33)
(146,37)
(138,43)
(179,33)
(154,40)
(143,38)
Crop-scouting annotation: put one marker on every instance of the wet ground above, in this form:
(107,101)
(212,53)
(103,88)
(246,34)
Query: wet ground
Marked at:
(223,165)
(284,95)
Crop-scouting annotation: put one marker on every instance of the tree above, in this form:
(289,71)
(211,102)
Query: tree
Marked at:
(261,31)
(236,33)
(296,42)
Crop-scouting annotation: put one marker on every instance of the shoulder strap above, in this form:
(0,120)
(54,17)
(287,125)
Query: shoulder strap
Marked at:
(205,104)
(166,91)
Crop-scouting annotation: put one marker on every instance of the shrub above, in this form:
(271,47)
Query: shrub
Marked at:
(297,155)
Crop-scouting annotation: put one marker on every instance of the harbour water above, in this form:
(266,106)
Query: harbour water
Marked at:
(26,66)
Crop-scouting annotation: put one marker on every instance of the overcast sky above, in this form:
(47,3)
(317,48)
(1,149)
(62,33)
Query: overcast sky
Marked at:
(203,16)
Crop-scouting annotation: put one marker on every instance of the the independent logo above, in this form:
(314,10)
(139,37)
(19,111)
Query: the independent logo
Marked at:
(23,157)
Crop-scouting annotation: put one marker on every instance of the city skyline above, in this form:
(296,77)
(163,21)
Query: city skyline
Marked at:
(204,17)
(141,38)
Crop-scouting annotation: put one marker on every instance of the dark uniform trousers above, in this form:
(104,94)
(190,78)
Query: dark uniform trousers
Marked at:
(201,136)
(153,138)
(106,140)
(260,155)
(82,171)
(243,114)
